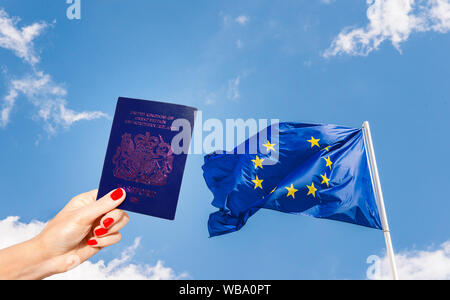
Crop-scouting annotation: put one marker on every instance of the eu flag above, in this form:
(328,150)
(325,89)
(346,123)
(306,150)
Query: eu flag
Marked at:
(310,169)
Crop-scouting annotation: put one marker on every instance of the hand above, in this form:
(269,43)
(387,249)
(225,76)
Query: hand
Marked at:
(80,230)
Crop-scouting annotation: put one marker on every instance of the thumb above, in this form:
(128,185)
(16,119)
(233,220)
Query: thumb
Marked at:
(102,206)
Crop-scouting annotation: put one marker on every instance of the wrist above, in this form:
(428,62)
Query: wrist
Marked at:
(40,260)
(40,248)
(51,262)
(26,261)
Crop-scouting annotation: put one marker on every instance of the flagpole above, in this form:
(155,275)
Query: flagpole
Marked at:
(380,200)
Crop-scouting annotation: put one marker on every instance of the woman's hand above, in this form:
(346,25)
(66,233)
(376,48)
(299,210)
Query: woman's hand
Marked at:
(80,230)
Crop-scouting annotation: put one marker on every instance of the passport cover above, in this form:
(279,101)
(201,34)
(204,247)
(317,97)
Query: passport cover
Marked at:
(140,158)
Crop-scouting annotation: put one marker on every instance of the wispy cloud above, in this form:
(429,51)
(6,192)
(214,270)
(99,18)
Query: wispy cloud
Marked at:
(210,98)
(20,40)
(229,90)
(233,88)
(392,20)
(233,20)
(12,231)
(417,265)
(49,98)
(242,19)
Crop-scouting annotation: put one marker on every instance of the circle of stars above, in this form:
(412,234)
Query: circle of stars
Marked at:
(291,190)
(312,189)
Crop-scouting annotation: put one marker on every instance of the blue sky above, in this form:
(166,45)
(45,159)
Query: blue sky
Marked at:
(233,59)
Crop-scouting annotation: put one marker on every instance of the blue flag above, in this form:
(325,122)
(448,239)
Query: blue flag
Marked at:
(316,170)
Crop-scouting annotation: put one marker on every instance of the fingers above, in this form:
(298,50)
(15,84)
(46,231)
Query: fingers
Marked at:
(112,223)
(106,241)
(120,224)
(111,218)
(102,206)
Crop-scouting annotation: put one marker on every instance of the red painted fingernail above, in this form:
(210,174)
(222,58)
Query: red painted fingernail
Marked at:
(107,222)
(117,194)
(100,232)
(92,242)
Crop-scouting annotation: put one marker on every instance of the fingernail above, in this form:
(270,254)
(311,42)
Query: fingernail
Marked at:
(117,194)
(107,222)
(92,242)
(100,232)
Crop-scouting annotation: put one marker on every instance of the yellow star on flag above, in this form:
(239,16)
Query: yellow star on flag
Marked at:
(314,142)
(327,148)
(274,189)
(269,146)
(257,183)
(325,180)
(329,162)
(291,191)
(312,190)
(258,162)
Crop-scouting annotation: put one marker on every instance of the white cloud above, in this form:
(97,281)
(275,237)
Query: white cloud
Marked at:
(243,20)
(233,88)
(418,265)
(392,20)
(120,269)
(12,231)
(48,99)
(439,13)
(20,41)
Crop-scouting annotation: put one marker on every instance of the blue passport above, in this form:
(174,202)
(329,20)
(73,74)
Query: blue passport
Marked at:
(140,158)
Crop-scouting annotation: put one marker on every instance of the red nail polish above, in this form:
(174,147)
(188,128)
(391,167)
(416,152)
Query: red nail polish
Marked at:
(117,194)
(100,232)
(92,242)
(107,222)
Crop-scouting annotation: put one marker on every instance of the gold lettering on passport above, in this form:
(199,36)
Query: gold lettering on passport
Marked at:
(152,120)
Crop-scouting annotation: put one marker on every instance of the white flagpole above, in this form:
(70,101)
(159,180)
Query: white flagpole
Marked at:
(380,200)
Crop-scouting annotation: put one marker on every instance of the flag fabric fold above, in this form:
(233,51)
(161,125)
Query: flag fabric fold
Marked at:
(318,170)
